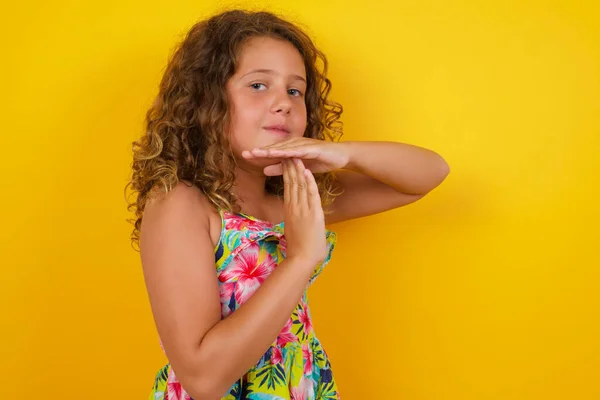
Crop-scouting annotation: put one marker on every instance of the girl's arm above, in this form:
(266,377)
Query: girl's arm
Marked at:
(374,176)
(380,176)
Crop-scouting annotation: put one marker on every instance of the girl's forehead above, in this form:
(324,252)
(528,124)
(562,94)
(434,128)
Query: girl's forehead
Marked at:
(265,53)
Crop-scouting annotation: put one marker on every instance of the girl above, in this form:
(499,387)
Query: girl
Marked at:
(235,182)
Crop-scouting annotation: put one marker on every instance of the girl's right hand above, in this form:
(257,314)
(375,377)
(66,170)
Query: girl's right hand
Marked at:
(304,220)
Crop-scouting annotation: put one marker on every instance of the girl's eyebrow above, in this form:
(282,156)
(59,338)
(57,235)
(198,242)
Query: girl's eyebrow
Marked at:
(271,72)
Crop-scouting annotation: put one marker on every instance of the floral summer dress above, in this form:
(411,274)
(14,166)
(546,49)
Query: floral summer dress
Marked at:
(295,367)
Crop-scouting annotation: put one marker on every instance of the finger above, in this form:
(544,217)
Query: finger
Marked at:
(286,181)
(247,154)
(283,143)
(286,147)
(259,152)
(287,153)
(286,144)
(293,186)
(273,170)
(273,153)
(302,189)
(314,199)
(266,151)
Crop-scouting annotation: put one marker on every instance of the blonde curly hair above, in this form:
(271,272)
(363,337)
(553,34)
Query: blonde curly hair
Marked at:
(184,126)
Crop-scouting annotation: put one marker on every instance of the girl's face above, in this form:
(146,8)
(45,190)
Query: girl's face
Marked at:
(266,96)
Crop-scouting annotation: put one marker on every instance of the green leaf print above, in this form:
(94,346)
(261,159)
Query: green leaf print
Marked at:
(300,330)
(319,357)
(161,378)
(326,392)
(247,389)
(273,374)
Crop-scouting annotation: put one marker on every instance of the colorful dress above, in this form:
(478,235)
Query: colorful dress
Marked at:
(295,367)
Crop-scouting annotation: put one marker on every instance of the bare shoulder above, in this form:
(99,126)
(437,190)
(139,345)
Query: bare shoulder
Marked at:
(182,199)
(183,208)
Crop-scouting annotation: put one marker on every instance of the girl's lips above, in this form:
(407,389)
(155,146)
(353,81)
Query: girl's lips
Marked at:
(277,130)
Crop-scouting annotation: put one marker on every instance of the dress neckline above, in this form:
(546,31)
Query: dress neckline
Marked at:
(252,218)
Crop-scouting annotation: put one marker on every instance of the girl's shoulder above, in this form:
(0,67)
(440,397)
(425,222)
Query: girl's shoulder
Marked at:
(187,199)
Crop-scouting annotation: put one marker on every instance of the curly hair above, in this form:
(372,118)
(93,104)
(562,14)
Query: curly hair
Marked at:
(184,140)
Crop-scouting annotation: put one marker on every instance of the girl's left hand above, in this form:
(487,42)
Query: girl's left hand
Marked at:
(318,155)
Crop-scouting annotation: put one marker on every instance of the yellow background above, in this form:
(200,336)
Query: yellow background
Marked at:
(486,289)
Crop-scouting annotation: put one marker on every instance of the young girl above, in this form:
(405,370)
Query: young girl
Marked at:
(234,181)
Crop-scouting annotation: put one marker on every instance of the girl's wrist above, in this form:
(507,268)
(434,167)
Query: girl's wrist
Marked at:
(350,150)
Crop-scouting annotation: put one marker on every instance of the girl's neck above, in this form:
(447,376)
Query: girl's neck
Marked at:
(253,198)
(250,185)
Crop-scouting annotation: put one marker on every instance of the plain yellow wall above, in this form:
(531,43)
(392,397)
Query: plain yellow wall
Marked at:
(486,289)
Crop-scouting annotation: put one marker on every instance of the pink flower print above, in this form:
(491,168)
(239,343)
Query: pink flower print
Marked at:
(250,272)
(301,391)
(307,355)
(276,356)
(240,223)
(283,246)
(225,293)
(244,240)
(174,389)
(304,318)
(286,336)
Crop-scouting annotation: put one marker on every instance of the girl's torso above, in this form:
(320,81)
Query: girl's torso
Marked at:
(295,366)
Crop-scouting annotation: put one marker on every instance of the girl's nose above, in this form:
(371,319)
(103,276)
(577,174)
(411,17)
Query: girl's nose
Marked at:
(282,104)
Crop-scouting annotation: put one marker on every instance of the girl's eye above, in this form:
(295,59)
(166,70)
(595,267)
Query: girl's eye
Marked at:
(262,86)
(257,85)
(295,92)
